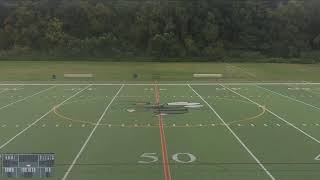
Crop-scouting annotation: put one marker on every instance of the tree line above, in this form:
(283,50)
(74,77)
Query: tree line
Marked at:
(208,29)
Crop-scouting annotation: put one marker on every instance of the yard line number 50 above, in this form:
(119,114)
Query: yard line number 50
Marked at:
(184,158)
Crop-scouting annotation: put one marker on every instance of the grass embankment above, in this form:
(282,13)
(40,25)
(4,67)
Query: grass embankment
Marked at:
(149,71)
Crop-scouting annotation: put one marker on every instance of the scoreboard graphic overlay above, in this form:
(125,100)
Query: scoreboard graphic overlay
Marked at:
(39,165)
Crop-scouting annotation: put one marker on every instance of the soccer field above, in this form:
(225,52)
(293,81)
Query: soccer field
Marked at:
(227,131)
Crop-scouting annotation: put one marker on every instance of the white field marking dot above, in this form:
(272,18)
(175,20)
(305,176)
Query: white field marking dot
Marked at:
(135,125)
(212,124)
(187,124)
(17,125)
(191,96)
(109,125)
(106,96)
(173,125)
(70,125)
(317,124)
(83,125)
(278,125)
(239,125)
(4,125)
(122,125)
(149,125)
(57,125)
(252,125)
(217,96)
(304,124)
(200,125)
(43,125)
(174,96)
(265,124)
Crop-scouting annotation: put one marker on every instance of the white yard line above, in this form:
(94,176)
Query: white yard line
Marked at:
(235,135)
(90,135)
(274,92)
(8,89)
(34,122)
(279,117)
(10,104)
(3,91)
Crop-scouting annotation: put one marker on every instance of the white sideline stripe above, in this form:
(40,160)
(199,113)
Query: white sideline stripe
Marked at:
(167,84)
(90,135)
(274,92)
(282,119)
(30,125)
(27,97)
(235,135)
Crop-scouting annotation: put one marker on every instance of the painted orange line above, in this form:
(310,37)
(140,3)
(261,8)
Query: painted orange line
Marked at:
(165,161)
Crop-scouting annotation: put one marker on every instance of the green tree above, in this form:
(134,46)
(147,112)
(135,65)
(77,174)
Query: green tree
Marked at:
(211,30)
(54,33)
(6,40)
(164,45)
(287,29)
(191,47)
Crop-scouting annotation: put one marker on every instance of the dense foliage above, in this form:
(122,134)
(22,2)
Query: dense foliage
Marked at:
(212,29)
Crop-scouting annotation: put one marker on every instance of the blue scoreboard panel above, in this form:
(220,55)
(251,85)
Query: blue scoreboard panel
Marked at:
(38,165)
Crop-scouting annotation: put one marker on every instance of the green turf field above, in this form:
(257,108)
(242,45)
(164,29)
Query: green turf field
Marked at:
(239,131)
